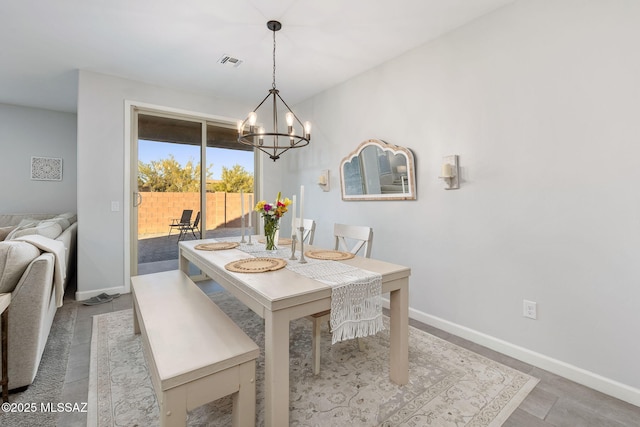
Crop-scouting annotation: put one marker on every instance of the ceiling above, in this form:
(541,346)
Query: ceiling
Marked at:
(177,44)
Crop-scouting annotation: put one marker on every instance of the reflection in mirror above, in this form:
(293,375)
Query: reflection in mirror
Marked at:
(378,171)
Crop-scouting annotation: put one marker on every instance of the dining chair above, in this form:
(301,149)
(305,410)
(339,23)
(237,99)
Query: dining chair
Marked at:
(309,229)
(184,220)
(190,228)
(349,238)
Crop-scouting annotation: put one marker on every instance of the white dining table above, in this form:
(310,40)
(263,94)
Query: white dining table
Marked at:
(283,295)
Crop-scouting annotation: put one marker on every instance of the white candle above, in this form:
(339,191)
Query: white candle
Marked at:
(250,208)
(302,203)
(446,170)
(293,215)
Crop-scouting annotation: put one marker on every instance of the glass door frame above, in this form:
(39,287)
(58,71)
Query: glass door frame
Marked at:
(132,109)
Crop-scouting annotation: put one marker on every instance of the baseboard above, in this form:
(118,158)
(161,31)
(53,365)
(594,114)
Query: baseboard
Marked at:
(581,376)
(81,296)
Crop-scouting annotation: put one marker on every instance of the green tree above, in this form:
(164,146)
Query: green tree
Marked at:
(235,179)
(167,175)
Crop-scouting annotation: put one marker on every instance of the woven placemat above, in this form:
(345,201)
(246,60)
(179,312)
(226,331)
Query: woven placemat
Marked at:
(217,246)
(329,255)
(282,241)
(256,265)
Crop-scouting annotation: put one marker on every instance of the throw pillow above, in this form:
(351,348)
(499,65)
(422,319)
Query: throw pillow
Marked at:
(23,224)
(48,229)
(14,259)
(4,231)
(70,216)
(64,223)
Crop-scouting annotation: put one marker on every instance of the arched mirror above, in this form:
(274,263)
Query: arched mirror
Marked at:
(378,171)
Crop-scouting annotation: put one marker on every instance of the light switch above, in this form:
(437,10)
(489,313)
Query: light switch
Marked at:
(115,206)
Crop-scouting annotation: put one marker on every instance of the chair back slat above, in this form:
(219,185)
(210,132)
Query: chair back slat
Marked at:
(309,229)
(186,216)
(353,238)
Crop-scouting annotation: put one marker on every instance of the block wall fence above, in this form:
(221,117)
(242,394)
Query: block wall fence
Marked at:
(158,210)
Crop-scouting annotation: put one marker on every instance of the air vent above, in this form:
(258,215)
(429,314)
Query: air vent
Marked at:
(229,60)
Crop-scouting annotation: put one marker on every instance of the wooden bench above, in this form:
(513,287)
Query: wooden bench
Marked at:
(195,353)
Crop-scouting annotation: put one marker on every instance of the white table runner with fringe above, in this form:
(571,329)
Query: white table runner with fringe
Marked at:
(356,294)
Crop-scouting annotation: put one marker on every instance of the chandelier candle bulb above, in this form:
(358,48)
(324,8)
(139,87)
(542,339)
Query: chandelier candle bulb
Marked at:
(253,117)
(307,130)
(289,117)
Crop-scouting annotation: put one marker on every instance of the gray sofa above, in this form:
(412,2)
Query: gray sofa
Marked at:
(37,259)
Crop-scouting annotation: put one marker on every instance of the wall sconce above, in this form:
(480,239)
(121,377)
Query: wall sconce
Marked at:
(323,180)
(451,172)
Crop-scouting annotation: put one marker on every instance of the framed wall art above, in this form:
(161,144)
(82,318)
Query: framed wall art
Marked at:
(46,169)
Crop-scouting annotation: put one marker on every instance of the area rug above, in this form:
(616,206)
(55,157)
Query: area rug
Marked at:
(449,385)
(49,381)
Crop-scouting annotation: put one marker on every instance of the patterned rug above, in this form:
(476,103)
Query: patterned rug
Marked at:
(449,385)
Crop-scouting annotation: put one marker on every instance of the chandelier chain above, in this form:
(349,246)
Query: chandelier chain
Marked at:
(274,60)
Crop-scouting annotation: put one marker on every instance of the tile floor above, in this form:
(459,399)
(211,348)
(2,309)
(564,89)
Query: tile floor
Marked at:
(554,402)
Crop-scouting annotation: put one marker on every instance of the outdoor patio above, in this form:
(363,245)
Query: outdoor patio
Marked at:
(160,252)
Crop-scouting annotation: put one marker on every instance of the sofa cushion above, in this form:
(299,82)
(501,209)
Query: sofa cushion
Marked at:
(14,259)
(4,231)
(47,228)
(22,225)
(68,215)
(64,222)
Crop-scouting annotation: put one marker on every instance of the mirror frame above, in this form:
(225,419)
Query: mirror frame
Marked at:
(384,146)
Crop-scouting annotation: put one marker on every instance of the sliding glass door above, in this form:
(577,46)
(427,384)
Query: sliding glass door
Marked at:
(176,197)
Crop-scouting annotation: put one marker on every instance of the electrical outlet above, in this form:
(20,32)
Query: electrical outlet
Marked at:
(529,309)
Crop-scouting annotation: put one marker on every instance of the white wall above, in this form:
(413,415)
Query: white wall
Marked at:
(540,100)
(101,169)
(27,132)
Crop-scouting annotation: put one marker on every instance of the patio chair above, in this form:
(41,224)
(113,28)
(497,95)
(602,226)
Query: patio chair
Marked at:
(190,228)
(183,221)
(351,238)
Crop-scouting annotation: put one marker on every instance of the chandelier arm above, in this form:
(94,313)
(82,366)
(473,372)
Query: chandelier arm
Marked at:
(275,113)
(290,110)
(256,109)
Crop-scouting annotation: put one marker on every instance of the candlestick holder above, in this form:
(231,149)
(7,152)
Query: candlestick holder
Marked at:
(302,260)
(250,242)
(294,239)
(242,226)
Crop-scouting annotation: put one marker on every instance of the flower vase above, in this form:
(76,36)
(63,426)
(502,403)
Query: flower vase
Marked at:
(271,234)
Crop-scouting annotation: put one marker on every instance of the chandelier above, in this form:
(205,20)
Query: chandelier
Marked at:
(278,140)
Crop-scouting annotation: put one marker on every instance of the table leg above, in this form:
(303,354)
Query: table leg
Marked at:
(276,369)
(184,263)
(399,332)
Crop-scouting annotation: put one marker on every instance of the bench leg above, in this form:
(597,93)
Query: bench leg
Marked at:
(173,408)
(244,401)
